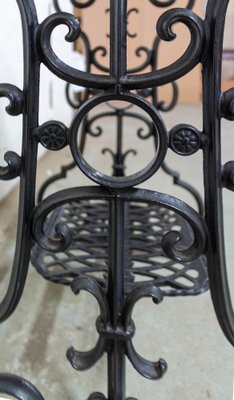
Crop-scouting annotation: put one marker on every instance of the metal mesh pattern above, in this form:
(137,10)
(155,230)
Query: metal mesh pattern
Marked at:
(145,259)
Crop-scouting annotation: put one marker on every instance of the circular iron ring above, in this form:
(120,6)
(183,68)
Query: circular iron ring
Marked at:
(126,181)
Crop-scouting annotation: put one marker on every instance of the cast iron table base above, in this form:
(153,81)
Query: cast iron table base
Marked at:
(113,240)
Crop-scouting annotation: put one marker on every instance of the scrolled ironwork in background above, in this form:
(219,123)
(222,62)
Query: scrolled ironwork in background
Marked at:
(75,3)
(168,3)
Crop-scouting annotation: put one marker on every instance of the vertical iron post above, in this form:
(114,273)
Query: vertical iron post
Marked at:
(115,296)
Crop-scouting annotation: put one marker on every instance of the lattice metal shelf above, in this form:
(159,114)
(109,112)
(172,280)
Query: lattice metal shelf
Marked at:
(145,259)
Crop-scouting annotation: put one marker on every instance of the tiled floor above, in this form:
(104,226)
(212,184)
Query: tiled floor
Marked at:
(184,331)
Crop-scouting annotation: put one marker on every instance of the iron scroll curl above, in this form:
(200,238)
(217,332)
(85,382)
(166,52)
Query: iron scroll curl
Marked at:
(192,56)
(170,242)
(168,3)
(21,103)
(15,107)
(57,66)
(97,130)
(75,3)
(124,331)
(85,360)
(118,192)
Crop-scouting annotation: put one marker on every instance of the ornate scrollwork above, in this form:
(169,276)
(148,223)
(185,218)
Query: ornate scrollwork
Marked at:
(130,11)
(171,248)
(13,166)
(150,370)
(57,66)
(62,236)
(14,108)
(165,107)
(82,96)
(191,57)
(123,329)
(119,156)
(184,139)
(26,102)
(84,360)
(141,50)
(148,59)
(52,135)
(123,332)
(103,52)
(119,160)
(120,329)
(97,130)
(141,132)
(168,3)
(173,241)
(15,97)
(75,3)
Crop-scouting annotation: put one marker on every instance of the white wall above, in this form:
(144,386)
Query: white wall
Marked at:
(53,104)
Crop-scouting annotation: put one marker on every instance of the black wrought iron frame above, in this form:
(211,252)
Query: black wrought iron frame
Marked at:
(115,198)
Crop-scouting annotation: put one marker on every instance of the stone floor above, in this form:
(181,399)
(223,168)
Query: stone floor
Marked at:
(49,319)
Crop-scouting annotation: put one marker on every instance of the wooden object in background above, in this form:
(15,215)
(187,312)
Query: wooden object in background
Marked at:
(95,21)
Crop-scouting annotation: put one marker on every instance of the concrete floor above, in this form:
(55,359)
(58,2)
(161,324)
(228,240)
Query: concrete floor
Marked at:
(49,319)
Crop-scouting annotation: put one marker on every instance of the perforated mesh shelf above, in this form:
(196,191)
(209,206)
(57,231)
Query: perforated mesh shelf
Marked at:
(145,259)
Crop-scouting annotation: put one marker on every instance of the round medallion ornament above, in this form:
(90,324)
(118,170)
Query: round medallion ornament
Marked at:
(227,104)
(184,139)
(52,135)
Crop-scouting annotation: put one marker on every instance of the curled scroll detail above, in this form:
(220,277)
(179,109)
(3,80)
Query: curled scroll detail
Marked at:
(13,166)
(191,57)
(75,3)
(15,97)
(168,3)
(123,332)
(14,108)
(57,66)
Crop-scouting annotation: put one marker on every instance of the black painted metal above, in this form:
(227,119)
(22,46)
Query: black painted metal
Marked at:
(146,226)
(125,225)
(119,157)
